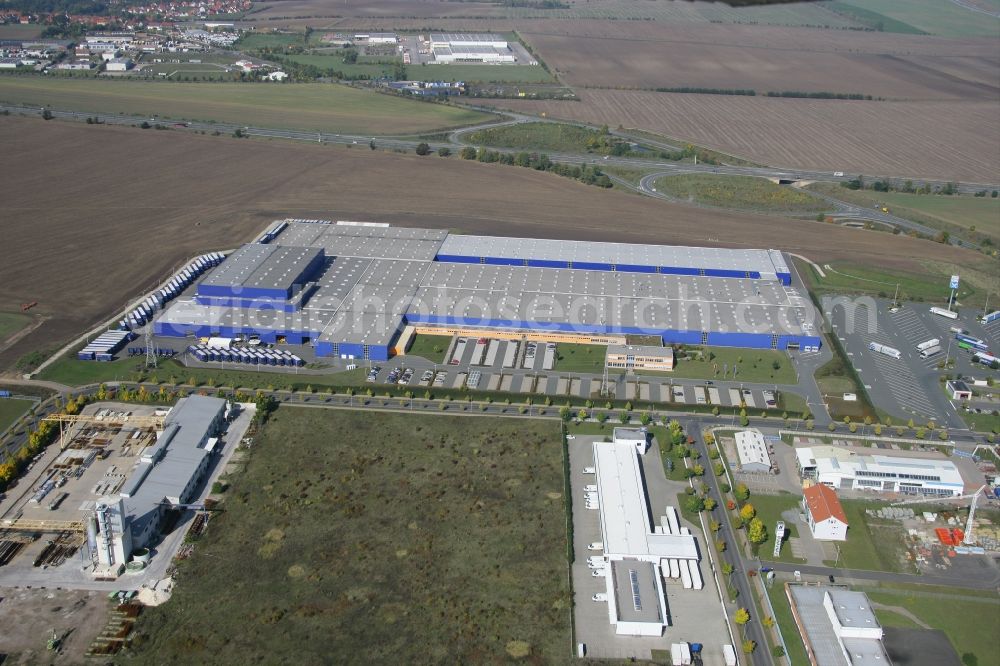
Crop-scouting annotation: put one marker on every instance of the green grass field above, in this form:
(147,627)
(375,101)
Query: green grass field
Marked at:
(739,193)
(789,630)
(752,365)
(417,539)
(963,214)
(312,106)
(431,347)
(845,278)
(872,544)
(873,19)
(971,622)
(12,322)
(769,508)
(11,409)
(336,63)
(258,40)
(981,422)
(944,19)
(580,358)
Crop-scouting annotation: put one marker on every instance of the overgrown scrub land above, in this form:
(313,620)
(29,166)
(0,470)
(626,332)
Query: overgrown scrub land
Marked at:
(312,106)
(546,136)
(740,193)
(402,539)
(965,215)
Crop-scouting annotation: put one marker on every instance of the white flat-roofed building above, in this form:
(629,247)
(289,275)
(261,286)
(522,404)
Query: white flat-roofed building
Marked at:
(640,357)
(377,37)
(484,54)
(119,64)
(838,626)
(637,437)
(843,469)
(752,450)
(452,39)
(634,548)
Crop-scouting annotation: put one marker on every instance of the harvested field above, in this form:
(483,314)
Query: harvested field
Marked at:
(768,59)
(81,251)
(885,138)
(808,13)
(418,539)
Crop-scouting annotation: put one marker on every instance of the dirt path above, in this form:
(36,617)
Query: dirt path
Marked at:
(899,610)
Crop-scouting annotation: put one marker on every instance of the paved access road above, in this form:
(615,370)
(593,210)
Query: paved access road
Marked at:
(455,142)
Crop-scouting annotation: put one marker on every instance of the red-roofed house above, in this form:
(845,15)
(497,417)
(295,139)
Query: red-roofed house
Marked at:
(826,518)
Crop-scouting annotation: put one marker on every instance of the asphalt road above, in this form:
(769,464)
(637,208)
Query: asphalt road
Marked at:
(841,209)
(568,158)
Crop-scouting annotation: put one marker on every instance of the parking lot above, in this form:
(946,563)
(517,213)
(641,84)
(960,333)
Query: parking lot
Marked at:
(516,367)
(694,615)
(906,387)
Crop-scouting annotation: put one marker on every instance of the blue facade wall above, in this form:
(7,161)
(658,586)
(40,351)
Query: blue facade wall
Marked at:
(456,259)
(747,340)
(277,304)
(503,261)
(378,352)
(634,268)
(591,266)
(547,263)
(785,278)
(242,292)
(674,270)
(726,273)
(681,337)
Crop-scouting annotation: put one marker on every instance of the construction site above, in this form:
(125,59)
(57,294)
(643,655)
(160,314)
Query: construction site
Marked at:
(108,502)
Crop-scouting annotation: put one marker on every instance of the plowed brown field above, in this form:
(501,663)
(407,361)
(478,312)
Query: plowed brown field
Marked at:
(943,140)
(95,215)
(767,59)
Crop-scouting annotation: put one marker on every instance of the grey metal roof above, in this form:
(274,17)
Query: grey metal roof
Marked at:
(647,301)
(439,37)
(638,603)
(853,609)
(179,458)
(365,328)
(643,350)
(615,253)
(820,632)
(262,266)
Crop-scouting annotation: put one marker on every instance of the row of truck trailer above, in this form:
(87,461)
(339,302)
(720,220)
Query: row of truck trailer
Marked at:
(250,355)
(174,287)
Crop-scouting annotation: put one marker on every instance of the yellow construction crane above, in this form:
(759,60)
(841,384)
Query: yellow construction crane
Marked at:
(67,421)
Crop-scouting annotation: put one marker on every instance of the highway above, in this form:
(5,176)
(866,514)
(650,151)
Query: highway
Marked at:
(842,209)
(455,141)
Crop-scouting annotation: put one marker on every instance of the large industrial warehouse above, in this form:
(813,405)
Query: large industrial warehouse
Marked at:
(349,289)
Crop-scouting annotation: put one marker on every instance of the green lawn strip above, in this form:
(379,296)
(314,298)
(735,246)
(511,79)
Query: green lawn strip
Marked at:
(984,422)
(572,357)
(414,537)
(312,106)
(11,409)
(740,193)
(752,365)
(872,544)
(888,618)
(769,508)
(971,623)
(430,347)
(789,630)
(11,322)
(845,278)
(560,137)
